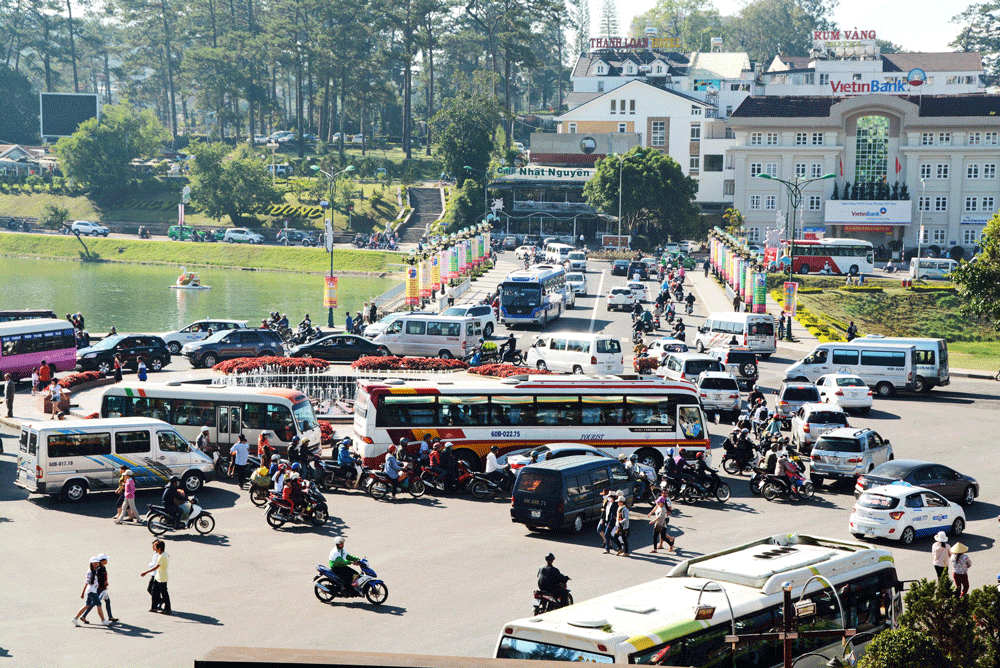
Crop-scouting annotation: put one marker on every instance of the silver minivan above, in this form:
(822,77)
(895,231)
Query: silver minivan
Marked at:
(431,336)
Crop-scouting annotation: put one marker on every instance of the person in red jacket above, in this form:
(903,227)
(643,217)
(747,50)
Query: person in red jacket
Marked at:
(293,493)
(435,466)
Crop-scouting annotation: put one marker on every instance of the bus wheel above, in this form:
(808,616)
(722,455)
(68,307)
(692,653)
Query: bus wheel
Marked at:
(804,269)
(854,270)
(74,491)
(885,390)
(650,457)
(921,385)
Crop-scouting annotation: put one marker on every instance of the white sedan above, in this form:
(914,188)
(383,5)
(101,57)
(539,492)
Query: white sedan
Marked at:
(639,291)
(903,512)
(845,390)
(661,347)
(524,251)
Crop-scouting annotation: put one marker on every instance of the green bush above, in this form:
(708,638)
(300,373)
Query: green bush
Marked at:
(934,288)
(861,288)
(903,648)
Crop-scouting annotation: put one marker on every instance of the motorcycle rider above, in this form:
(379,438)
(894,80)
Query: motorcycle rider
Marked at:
(493,470)
(744,448)
(551,581)
(789,470)
(174,500)
(340,563)
(690,301)
(647,320)
(346,461)
(436,468)
(636,310)
(293,492)
(508,348)
(755,397)
(450,464)
(392,468)
(283,321)
(679,329)
(773,426)
(306,323)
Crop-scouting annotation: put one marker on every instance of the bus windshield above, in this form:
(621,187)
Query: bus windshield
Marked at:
(517,648)
(305,417)
(514,294)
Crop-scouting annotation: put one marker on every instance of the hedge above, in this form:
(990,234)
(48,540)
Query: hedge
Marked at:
(934,288)
(861,288)
(286,364)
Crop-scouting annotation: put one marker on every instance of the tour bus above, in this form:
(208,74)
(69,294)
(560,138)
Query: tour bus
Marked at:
(688,617)
(25,344)
(931,267)
(931,366)
(226,411)
(70,458)
(644,416)
(755,331)
(26,314)
(838,256)
(883,366)
(533,296)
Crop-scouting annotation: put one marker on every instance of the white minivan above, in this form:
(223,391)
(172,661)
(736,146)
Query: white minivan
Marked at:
(443,336)
(755,331)
(73,457)
(883,366)
(931,267)
(571,352)
(557,253)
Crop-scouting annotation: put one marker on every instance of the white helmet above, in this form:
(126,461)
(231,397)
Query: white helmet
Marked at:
(294,475)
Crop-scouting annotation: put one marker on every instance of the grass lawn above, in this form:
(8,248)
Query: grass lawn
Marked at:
(981,355)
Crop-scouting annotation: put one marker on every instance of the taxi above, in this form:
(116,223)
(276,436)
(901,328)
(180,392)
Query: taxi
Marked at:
(903,512)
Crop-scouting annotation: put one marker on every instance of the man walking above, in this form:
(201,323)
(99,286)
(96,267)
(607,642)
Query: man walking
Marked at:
(240,452)
(372,313)
(607,523)
(158,585)
(8,395)
(622,525)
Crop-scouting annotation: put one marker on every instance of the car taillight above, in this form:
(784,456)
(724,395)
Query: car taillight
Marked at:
(805,428)
(702,394)
(744,339)
(593,359)
(816,457)
(854,460)
(909,376)
(782,403)
(861,480)
(683,376)
(897,514)
(869,393)
(508,630)
(734,396)
(366,439)
(38,473)
(516,466)
(840,393)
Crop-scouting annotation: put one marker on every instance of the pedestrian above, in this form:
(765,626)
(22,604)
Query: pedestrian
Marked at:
(736,303)
(373,313)
(140,368)
(364,311)
(34,382)
(129,500)
(660,516)
(450,294)
(602,522)
(89,594)
(960,564)
(348,322)
(103,586)
(621,525)
(44,376)
(8,394)
(120,493)
(157,587)
(118,368)
(852,331)
(55,396)
(940,553)
(240,453)
(781,324)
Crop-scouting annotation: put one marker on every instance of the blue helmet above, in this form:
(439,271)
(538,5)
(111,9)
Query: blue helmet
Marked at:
(670,452)
(296,466)
(345,441)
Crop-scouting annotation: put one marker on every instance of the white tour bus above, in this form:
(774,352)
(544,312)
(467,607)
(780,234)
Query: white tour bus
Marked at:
(932,359)
(883,366)
(70,458)
(931,267)
(685,618)
(755,331)
(644,416)
(576,352)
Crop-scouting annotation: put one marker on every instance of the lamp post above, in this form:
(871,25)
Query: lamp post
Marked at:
(920,232)
(621,164)
(486,178)
(329,229)
(333,182)
(794,188)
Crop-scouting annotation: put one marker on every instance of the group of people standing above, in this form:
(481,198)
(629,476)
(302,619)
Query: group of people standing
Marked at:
(96,587)
(952,557)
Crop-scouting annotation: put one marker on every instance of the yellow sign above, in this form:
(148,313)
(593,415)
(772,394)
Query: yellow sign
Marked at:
(329,292)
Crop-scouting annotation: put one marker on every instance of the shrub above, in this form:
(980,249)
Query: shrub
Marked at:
(326,432)
(505,370)
(902,648)
(861,288)
(389,363)
(74,379)
(287,364)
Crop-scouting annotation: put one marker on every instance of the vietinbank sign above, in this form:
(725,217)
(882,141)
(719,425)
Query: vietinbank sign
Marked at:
(861,87)
(868,212)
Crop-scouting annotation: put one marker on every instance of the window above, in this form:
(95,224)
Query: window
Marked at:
(729,187)
(988,204)
(659,69)
(513,410)
(572,128)
(939,235)
(695,164)
(856,76)
(621,128)
(871,160)
(800,169)
(923,203)
(975,139)
(991,138)
(171,441)
(969,236)
(971,204)
(941,203)
(815,201)
(801,138)
(601,410)
(417,327)
(756,138)
(772,138)
(650,411)
(753,234)
(273,417)
(403,411)
(79,445)
(816,170)
(132,442)
(990,170)
(601,69)
(817,139)
(621,105)
(696,132)
(38,342)
(631,107)
(925,171)
(658,136)
(755,169)
(755,202)
(924,235)
(729,112)
(614,106)
(771,169)
(463,410)
(942,170)
(713,163)
(927,139)
(824,79)
(600,86)
(770,202)
(883,358)
(944,138)
(695,110)
(557,410)
(849,357)
(972,171)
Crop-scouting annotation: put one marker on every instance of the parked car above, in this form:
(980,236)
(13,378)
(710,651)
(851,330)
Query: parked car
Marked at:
(339,348)
(296,238)
(358,139)
(845,390)
(640,268)
(719,393)
(101,355)
(739,361)
(482,312)
(905,513)
(619,268)
(186,233)
(791,396)
(812,421)
(278,134)
(241,235)
(509,242)
(283,170)
(691,246)
(89,228)
(230,344)
(847,453)
(577,281)
(197,331)
(260,140)
(947,482)
(621,299)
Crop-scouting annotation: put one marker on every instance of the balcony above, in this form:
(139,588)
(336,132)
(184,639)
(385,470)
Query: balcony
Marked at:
(532,205)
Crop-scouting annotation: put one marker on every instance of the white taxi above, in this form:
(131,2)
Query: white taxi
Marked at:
(845,390)
(903,512)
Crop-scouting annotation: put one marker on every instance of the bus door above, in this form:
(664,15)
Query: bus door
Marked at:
(229,423)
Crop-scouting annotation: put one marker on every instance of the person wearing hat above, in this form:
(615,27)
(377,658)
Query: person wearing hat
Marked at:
(264,449)
(621,525)
(551,581)
(609,511)
(158,585)
(204,443)
(90,595)
(940,553)
(102,586)
(660,516)
(960,564)
(435,467)
(128,506)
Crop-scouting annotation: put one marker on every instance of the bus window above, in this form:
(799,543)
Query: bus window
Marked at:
(171,441)
(649,410)
(845,357)
(557,410)
(606,410)
(132,442)
(79,445)
(691,424)
(462,410)
(407,410)
(190,412)
(883,358)
(114,407)
(272,417)
(517,648)
(513,410)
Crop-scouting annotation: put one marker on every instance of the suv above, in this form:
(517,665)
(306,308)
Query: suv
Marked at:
(619,268)
(197,331)
(688,366)
(638,267)
(621,298)
(791,396)
(509,242)
(85,227)
(577,261)
(812,421)
(719,393)
(739,361)
(101,355)
(577,282)
(482,312)
(532,240)
(241,235)
(847,453)
(296,238)
(233,343)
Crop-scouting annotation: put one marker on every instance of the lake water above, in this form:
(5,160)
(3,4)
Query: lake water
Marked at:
(133,297)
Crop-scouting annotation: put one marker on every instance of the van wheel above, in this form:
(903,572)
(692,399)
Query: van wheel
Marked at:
(192,482)
(444,354)
(577,524)
(885,390)
(74,491)
(700,346)
(577,369)
(541,366)
(804,269)
(921,385)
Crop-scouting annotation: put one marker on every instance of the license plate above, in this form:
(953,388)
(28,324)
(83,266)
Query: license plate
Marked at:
(536,514)
(869,531)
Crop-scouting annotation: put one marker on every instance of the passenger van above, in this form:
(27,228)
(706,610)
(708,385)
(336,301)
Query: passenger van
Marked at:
(752,330)
(70,458)
(883,366)
(566,492)
(441,336)
(932,359)
(930,267)
(557,253)
(570,352)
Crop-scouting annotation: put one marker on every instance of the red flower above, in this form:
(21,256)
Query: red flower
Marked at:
(326,432)
(288,364)
(75,379)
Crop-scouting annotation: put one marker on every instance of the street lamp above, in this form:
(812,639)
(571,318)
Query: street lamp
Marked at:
(486,178)
(329,229)
(920,232)
(621,164)
(794,188)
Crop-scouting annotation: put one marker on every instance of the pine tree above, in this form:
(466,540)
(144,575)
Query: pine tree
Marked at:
(580,14)
(834,194)
(609,18)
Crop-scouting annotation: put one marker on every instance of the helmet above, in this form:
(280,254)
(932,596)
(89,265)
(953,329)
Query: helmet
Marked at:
(622,457)
(634,458)
(295,439)
(481,340)
(448,445)
(307,315)
(282,467)
(283,315)
(392,449)
(294,475)
(345,441)
(275,458)
(494,448)
(670,452)
(403,441)
(663,485)
(700,455)
(174,480)
(550,557)
(285,462)
(296,466)
(339,541)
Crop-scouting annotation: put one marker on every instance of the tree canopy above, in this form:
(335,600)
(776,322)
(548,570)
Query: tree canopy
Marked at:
(980,34)
(19,120)
(979,279)
(230,185)
(466,129)
(694,22)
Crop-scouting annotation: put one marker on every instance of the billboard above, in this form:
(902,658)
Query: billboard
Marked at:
(870,212)
(61,113)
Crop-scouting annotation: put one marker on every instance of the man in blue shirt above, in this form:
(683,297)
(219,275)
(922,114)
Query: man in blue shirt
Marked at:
(348,323)
(346,462)
(240,452)
(392,469)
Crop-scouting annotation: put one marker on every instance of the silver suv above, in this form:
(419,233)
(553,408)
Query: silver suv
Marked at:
(847,453)
(719,393)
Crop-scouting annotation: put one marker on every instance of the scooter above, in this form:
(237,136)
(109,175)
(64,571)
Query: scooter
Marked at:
(483,487)
(313,510)
(328,586)
(158,521)
(544,601)
(381,484)
(706,484)
(688,308)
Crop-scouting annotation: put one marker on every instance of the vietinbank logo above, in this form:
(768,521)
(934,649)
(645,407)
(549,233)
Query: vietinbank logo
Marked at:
(870,214)
(856,87)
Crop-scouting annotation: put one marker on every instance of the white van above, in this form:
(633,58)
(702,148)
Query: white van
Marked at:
(755,331)
(443,336)
(932,359)
(557,253)
(570,352)
(72,457)
(883,366)
(931,267)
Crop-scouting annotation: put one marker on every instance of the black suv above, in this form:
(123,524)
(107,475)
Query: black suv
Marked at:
(532,240)
(619,268)
(638,267)
(295,238)
(739,361)
(233,343)
(101,355)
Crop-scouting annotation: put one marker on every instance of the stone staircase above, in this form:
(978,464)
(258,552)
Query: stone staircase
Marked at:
(426,209)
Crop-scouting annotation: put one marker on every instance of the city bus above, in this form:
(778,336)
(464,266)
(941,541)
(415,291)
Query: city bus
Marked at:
(687,617)
(226,411)
(533,296)
(25,344)
(840,256)
(25,314)
(645,416)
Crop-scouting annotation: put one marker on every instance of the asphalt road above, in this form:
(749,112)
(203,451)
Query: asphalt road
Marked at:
(456,569)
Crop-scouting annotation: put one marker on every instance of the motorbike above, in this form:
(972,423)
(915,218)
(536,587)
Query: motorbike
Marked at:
(688,308)
(544,601)
(705,484)
(328,586)
(381,484)
(734,462)
(483,487)
(259,491)
(143,234)
(158,521)
(334,477)
(636,335)
(313,510)
(775,486)
(889,269)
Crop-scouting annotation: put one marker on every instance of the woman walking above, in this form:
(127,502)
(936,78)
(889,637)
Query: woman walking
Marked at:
(158,583)
(621,525)
(120,493)
(118,368)
(660,516)
(90,595)
(960,564)
(940,553)
(129,504)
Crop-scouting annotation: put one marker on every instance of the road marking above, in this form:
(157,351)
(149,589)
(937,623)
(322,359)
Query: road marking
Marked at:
(597,301)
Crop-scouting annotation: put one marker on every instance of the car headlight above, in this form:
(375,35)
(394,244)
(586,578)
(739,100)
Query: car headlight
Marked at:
(89,356)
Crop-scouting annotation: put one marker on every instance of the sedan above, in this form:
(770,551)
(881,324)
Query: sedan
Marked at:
(660,347)
(945,481)
(519,458)
(86,227)
(522,252)
(845,390)
(509,242)
(619,268)
(903,512)
(339,348)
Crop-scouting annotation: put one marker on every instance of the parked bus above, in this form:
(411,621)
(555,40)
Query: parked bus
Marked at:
(26,314)
(644,416)
(25,344)
(840,256)
(226,411)
(930,363)
(684,619)
(533,296)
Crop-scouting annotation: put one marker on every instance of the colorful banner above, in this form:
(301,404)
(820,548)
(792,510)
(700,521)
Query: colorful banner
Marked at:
(791,292)
(330,292)
(425,279)
(460,249)
(436,271)
(412,287)
(452,262)
(468,253)
(748,285)
(760,292)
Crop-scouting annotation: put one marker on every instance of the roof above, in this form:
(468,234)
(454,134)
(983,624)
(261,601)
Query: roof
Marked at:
(586,63)
(574,99)
(617,92)
(784,107)
(948,61)
(896,489)
(784,62)
(729,65)
(562,463)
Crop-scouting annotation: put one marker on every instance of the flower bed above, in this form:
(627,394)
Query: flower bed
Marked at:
(326,432)
(74,379)
(389,363)
(92,416)
(287,364)
(505,370)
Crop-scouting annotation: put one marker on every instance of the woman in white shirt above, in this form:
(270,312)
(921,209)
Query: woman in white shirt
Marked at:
(941,553)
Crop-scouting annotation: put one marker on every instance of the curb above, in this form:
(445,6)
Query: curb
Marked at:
(979,375)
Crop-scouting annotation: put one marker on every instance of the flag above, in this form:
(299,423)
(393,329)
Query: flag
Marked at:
(840,162)
(898,166)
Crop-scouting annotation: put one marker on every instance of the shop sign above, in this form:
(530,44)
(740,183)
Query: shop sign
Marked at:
(868,212)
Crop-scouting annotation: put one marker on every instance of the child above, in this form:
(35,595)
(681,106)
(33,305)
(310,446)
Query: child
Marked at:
(34,381)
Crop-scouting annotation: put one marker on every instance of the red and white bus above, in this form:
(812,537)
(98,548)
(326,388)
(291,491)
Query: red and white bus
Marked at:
(644,416)
(25,344)
(841,256)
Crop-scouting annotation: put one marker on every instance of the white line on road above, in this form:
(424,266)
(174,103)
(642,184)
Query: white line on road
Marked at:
(597,300)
